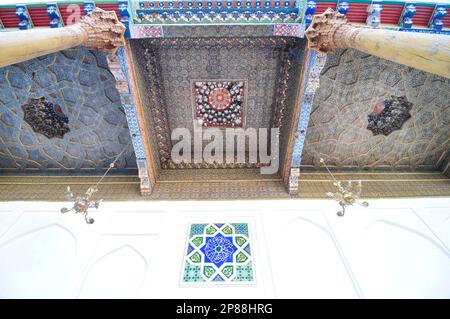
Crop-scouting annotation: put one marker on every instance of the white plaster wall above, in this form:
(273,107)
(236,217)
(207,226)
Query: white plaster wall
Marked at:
(397,248)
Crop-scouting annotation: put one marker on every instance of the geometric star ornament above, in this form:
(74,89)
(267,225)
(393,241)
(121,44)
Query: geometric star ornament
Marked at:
(45,117)
(219,103)
(218,254)
(389,115)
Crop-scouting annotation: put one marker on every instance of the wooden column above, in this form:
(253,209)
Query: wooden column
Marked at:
(100,30)
(427,52)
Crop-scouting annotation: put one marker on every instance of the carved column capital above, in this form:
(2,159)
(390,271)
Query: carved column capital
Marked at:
(329,31)
(100,30)
(104,31)
(427,52)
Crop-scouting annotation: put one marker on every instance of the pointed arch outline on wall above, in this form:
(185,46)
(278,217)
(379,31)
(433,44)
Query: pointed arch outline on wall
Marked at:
(36,230)
(92,265)
(329,232)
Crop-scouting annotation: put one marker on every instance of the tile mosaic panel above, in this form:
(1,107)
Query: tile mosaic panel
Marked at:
(218,253)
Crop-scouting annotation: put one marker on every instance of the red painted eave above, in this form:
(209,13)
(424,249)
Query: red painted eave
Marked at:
(391,13)
(358,12)
(422,16)
(322,6)
(39,16)
(8,17)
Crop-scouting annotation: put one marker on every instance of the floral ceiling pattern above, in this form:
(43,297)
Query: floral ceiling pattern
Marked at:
(46,118)
(219,103)
(389,115)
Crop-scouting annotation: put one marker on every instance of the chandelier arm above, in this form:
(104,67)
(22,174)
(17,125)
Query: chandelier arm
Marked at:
(341,213)
(87,219)
(65,210)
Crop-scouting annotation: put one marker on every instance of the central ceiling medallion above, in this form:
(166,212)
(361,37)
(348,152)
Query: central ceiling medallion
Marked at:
(219,103)
(219,99)
(389,115)
(46,118)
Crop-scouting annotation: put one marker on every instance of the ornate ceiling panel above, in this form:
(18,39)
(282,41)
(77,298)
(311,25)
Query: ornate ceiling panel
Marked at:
(179,66)
(350,85)
(61,112)
(174,66)
(219,104)
(206,12)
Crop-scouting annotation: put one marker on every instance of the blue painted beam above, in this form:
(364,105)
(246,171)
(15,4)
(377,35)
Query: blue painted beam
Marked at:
(310,83)
(119,65)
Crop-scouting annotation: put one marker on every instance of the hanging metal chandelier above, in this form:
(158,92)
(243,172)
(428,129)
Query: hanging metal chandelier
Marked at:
(84,202)
(346,195)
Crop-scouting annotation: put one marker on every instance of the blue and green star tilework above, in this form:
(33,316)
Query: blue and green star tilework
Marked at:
(218,253)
